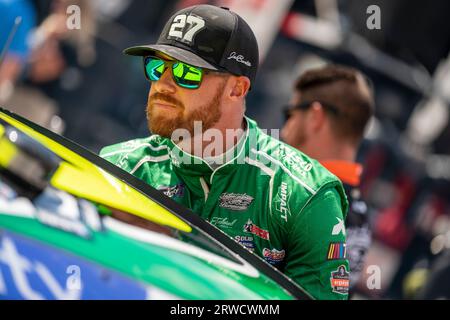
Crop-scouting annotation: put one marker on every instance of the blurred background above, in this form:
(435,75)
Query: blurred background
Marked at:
(72,77)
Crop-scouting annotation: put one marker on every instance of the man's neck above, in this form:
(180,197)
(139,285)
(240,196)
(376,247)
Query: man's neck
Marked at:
(215,141)
(335,151)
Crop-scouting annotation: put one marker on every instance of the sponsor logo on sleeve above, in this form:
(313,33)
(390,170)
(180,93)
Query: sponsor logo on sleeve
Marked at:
(273,256)
(336,251)
(250,227)
(340,280)
(338,227)
(235,201)
(282,201)
(301,166)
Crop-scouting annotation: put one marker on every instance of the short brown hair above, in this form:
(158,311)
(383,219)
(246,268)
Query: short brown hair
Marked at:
(345,88)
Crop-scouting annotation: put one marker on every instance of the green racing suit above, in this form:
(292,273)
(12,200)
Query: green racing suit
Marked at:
(268,196)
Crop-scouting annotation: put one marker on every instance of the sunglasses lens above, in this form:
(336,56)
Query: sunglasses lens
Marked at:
(186,75)
(154,68)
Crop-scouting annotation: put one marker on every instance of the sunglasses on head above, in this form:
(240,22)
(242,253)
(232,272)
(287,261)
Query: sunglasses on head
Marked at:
(184,75)
(306,105)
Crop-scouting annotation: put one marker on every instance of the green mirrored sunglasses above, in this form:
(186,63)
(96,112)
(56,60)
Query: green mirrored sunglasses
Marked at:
(184,75)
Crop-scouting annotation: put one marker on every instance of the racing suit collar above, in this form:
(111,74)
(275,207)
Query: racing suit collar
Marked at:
(189,164)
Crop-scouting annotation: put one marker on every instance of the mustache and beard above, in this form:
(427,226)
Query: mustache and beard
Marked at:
(165,124)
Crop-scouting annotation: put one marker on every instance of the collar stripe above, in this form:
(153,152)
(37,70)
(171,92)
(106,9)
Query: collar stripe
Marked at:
(159,148)
(269,172)
(311,190)
(149,159)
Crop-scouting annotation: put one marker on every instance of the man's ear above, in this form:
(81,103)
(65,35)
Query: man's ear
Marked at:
(318,116)
(240,87)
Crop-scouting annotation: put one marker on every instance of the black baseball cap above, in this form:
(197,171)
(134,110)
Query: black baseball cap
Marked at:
(209,37)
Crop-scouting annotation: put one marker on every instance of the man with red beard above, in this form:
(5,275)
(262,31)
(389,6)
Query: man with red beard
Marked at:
(207,155)
(329,110)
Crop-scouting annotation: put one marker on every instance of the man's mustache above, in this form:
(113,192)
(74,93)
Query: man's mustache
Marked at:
(157,96)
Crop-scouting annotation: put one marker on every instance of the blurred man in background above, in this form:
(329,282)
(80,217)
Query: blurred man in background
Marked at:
(326,119)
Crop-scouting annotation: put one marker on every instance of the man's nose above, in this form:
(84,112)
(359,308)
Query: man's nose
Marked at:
(165,83)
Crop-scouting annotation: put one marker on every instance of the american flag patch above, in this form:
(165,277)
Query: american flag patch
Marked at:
(336,251)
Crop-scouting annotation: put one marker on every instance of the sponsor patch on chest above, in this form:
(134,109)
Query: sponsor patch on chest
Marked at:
(173,191)
(235,201)
(246,241)
(223,223)
(252,228)
(340,282)
(273,256)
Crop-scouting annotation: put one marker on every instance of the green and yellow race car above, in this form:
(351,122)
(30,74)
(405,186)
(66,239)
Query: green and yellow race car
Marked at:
(74,226)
